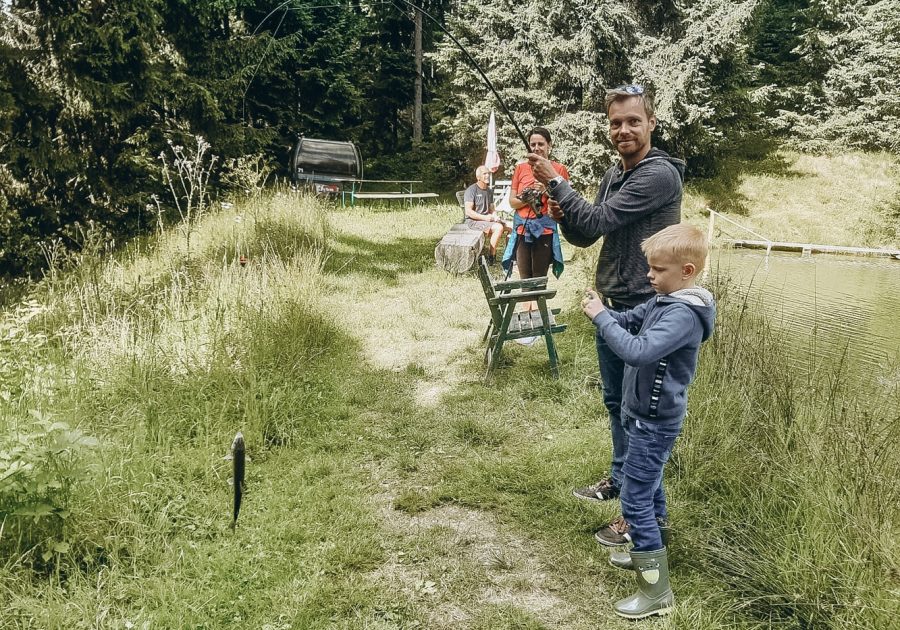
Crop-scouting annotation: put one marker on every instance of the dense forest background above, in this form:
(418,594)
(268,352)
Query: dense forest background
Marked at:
(98,98)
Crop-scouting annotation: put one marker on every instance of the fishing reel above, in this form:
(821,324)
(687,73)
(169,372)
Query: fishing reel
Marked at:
(534,198)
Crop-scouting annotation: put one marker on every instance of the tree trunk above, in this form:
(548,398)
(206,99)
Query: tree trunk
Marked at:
(417,108)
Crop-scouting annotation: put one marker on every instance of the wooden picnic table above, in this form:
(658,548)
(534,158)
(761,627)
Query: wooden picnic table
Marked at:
(405,192)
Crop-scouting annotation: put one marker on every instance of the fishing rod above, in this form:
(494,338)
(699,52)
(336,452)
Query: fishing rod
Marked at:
(532,200)
(437,23)
(474,65)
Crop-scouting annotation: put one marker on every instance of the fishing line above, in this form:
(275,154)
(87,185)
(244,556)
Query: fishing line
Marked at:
(265,52)
(437,23)
(415,7)
(499,100)
(315,6)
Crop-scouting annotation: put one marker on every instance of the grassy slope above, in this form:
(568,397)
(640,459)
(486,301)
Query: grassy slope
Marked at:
(841,200)
(388,487)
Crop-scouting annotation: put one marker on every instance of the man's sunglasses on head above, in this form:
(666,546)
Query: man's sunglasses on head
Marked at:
(630,89)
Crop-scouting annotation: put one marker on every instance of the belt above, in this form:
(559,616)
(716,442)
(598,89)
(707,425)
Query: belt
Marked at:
(615,304)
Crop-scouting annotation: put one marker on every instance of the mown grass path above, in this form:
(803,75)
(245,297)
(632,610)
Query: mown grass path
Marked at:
(464,478)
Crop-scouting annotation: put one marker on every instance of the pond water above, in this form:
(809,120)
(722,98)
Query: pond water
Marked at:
(828,304)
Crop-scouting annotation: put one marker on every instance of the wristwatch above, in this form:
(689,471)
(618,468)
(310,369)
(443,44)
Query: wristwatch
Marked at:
(553,183)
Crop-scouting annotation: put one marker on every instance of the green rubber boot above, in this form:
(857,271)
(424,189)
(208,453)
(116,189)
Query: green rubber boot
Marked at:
(654,597)
(622,559)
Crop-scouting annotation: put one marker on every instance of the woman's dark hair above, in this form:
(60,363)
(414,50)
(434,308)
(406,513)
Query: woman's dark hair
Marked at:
(541,131)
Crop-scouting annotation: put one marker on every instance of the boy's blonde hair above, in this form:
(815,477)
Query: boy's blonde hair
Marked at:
(685,242)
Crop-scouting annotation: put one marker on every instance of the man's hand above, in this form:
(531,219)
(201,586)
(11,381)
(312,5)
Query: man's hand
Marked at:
(493,217)
(556,211)
(541,167)
(591,304)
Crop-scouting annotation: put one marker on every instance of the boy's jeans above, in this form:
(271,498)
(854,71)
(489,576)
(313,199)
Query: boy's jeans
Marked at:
(612,371)
(643,500)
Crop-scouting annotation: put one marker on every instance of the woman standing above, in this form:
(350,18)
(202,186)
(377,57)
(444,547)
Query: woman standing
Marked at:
(535,241)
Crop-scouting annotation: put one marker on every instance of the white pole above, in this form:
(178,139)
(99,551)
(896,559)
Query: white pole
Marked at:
(709,240)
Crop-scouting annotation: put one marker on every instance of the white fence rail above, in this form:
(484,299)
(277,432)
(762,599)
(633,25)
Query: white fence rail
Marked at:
(713,215)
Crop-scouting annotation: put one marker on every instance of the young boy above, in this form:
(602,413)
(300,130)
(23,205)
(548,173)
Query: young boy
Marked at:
(659,341)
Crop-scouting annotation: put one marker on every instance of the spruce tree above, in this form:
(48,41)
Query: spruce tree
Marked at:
(850,96)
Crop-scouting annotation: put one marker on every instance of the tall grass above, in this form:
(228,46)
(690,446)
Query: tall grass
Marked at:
(163,354)
(785,481)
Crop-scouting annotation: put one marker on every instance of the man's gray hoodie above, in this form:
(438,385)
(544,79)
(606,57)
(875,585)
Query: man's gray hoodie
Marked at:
(661,359)
(630,206)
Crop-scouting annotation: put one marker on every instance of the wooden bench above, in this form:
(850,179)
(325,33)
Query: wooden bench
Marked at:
(508,324)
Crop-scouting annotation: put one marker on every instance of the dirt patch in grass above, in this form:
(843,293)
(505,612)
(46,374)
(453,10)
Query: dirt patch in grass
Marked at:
(438,554)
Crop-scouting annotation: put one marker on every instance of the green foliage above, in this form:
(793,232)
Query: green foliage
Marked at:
(779,31)
(20,352)
(39,469)
(92,92)
(546,73)
(700,75)
(384,75)
(83,87)
(838,84)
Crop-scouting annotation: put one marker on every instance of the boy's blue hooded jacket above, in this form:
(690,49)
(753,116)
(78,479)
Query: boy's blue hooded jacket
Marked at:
(659,341)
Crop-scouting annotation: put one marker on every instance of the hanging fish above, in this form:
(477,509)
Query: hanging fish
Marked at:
(238,459)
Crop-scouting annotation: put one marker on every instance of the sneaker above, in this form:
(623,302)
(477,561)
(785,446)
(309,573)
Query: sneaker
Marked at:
(526,341)
(603,490)
(615,533)
(491,260)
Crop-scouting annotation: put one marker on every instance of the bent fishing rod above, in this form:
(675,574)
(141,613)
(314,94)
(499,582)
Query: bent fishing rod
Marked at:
(474,65)
(534,202)
(484,77)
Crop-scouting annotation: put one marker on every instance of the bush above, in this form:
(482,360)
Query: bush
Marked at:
(39,470)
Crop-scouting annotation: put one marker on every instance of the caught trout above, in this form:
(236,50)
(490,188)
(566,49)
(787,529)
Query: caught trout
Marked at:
(238,459)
